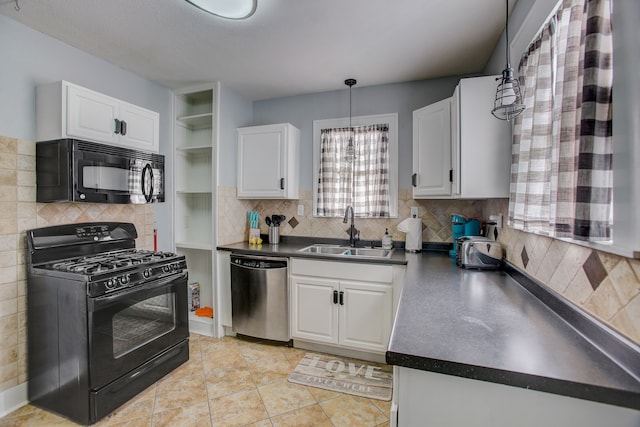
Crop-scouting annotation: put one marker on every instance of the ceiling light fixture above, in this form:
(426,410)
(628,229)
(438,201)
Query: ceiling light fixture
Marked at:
(508,103)
(230,9)
(350,149)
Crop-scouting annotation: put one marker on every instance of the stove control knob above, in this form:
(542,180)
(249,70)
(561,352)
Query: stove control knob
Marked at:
(110,284)
(147,273)
(166,268)
(125,279)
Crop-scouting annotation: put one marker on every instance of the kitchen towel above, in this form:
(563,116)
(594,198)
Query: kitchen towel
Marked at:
(413,228)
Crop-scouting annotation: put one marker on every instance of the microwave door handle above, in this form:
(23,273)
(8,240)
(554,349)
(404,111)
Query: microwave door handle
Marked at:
(147,170)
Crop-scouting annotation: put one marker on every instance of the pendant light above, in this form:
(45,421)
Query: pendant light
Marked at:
(350,151)
(508,103)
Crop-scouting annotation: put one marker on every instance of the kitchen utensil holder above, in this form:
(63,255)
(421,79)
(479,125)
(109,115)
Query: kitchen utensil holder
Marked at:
(274,235)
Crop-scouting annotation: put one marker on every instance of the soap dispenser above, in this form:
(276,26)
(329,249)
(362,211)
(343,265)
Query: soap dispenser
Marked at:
(387,241)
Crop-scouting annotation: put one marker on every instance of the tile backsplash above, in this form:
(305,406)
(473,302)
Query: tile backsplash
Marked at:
(435,215)
(605,285)
(20,212)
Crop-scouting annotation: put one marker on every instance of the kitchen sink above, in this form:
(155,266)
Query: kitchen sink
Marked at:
(324,249)
(346,251)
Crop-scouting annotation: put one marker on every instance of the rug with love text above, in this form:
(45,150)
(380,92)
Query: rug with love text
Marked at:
(344,375)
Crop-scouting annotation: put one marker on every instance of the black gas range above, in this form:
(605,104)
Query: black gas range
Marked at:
(105,320)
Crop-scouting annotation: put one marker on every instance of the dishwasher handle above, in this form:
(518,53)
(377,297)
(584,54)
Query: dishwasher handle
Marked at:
(259,262)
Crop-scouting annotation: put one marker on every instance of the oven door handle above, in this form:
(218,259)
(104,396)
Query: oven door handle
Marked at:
(96,303)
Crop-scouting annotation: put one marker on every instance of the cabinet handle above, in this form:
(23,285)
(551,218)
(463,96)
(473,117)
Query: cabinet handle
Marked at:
(450,175)
(414,179)
(335,297)
(282,183)
(117,126)
(123,127)
(341,298)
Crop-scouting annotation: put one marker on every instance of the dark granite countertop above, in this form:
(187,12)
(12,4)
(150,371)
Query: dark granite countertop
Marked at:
(484,325)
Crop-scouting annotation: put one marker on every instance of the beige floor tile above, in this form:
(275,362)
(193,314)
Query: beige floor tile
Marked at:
(188,369)
(383,405)
(222,382)
(261,423)
(321,394)
(283,396)
(138,422)
(196,415)
(261,351)
(269,370)
(208,345)
(226,359)
(352,411)
(237,409)
(48,419)
(16,421)
(311,416)
(294,355)
(181,392)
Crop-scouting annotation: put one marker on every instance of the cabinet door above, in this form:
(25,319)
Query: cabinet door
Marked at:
(261,162)
(432,150)
(314,315)
(142,127)
(484,141)
(366,315)
(91,115)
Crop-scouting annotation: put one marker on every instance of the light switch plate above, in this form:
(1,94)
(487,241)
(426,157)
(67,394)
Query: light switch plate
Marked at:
(415,213)
(300,209)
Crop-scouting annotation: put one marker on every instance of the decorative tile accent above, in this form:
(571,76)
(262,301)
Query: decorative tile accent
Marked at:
(293,222)
(594,270)
(524,256)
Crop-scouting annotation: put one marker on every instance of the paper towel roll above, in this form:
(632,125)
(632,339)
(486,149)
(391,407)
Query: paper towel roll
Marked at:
(413,228)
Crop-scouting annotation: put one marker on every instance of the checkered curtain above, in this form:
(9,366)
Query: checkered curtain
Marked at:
(363,181)
(561,175)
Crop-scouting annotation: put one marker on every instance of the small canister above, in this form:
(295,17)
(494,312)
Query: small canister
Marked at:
(274,235)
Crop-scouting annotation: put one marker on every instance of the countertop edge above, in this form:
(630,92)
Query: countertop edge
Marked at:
(616,397)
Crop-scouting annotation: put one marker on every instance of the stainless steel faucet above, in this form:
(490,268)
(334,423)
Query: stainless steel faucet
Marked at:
(354,233)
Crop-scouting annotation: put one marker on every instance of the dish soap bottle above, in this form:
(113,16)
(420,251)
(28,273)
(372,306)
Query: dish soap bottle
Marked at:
(387,241)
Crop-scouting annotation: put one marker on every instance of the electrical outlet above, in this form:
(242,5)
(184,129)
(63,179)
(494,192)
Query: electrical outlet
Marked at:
(300,210)
(415,212)
(497,218)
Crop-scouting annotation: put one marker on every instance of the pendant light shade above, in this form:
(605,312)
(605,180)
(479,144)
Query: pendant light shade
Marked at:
(230,9)
(508,103)
(350,151)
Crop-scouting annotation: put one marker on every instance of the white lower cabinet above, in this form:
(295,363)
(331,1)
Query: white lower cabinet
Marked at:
(423,398)
(345,304)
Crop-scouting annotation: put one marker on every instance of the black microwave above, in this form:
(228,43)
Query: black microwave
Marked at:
(70,170)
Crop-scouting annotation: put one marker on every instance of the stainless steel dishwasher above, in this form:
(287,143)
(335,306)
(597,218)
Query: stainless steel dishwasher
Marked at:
(260,297)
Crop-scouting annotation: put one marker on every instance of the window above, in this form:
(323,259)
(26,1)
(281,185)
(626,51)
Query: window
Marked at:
(365,178)
(562,176)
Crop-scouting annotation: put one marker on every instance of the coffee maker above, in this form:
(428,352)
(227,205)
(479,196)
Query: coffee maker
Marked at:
(462,226)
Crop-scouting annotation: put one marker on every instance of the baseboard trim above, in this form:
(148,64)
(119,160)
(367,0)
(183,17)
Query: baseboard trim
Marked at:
(13,398)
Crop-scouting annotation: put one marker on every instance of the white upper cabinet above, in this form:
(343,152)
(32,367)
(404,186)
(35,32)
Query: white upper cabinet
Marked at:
(268,162)
(65,110)
(474,156)
(432,152)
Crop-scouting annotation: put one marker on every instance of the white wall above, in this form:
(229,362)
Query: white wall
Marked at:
(235,111)
(402,98)
(30,58)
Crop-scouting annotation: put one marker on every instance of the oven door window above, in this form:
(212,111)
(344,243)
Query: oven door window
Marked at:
(142,322)
(132,326)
